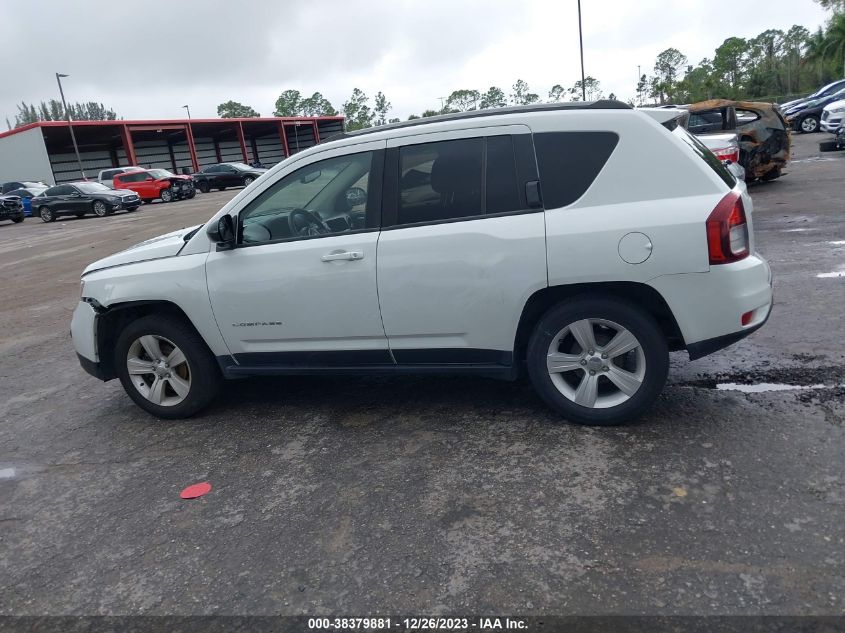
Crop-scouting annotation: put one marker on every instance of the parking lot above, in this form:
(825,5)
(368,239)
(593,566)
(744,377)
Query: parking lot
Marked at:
(436,495)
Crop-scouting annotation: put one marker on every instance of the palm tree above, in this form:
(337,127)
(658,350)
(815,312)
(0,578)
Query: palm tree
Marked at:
(816,44)
(835,38)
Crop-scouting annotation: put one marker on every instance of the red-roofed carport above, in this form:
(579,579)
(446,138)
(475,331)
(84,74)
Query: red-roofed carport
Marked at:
(44,150)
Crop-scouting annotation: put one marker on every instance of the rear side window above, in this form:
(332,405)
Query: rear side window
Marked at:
(569,163)
(706,155)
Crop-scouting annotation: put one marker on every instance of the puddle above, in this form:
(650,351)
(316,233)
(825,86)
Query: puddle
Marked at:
(840,273)
(765,386)
(7,473)
(838,243)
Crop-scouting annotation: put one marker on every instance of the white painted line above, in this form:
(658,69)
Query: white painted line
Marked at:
(838,243)
(798,230)
(841,273)
(764,386)
(7,473)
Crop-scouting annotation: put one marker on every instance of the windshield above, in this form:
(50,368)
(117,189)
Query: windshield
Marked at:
(92,187)
(160,173)
(706,155)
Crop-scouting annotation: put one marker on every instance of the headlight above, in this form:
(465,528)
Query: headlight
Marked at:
(837,110)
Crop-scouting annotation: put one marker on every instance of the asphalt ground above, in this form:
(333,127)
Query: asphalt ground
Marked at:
(438,495)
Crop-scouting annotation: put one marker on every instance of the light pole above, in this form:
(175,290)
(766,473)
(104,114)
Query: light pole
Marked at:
(70,125)
(189,111)
(581,42)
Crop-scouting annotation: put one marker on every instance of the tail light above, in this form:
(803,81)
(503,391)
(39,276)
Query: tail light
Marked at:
(727,153)
(727,231)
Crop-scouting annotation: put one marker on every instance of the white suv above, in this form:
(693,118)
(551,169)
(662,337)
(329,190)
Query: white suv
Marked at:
(579,241)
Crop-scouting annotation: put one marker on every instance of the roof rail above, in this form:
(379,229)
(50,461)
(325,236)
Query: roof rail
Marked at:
(603,104)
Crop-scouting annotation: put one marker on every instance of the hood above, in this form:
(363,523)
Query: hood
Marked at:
(167,245)
(835,105)
(122,193)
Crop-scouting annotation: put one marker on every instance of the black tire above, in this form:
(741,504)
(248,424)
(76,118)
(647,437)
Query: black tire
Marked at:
(248,180)
(166,195)
(47,214)
(772,174)
(193,194)
(147,201)
(100,209)
(828,146)
(204,374)
(17,219)
(204,187)
(809,124)
(638,322)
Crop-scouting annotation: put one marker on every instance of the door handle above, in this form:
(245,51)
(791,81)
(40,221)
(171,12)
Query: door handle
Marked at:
(344,256)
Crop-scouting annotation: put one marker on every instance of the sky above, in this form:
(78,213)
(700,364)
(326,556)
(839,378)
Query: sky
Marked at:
(147,60)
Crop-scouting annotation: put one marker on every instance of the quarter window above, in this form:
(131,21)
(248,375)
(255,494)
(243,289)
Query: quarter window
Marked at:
(569,162)
(327,197)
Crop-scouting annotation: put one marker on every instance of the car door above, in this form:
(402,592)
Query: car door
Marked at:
(462,245)
(229,176)
(300,288)
(75,200)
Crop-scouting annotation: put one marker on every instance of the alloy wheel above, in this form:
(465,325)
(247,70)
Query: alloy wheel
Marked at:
(166,195)
(809,125)
(159,370)
(596,363)
(100,209)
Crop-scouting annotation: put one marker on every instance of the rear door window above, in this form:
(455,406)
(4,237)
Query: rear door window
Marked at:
(569,162)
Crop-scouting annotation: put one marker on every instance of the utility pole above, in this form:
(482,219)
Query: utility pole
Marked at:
(70,125)
(581,42)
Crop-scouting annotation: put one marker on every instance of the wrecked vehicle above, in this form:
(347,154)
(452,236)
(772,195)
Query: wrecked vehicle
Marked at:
(764,141)
(152,184)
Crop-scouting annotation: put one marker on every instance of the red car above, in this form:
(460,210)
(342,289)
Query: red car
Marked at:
(150,184)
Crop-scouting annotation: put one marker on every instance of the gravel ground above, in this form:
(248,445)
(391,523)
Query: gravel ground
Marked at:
(438,495)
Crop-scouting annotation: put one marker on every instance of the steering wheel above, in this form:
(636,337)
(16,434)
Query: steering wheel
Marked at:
(304,223)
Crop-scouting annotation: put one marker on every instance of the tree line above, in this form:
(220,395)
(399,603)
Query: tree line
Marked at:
(771,66)
(52,110)
(359,113)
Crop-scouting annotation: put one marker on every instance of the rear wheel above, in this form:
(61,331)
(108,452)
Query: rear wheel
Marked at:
(598,360)
(47,214)
(165,367)
(809,124)
(166,195)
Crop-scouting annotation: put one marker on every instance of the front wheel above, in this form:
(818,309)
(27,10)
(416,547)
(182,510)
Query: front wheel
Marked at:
(166,367)
(598,360)
(166,195)
(47,214)
(809,124)
(248,180)
(204,187)
(100,209)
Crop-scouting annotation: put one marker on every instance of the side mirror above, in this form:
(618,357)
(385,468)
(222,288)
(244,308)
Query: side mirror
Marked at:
(149,178)
(223,233)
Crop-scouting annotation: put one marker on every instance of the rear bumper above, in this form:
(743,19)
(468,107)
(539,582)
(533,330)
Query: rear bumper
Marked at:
(708,307)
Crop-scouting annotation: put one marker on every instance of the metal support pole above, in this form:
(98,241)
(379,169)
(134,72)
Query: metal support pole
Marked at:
(70,125)
(581,42)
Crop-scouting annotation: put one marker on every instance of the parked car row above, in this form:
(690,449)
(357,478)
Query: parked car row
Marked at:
(805,115)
